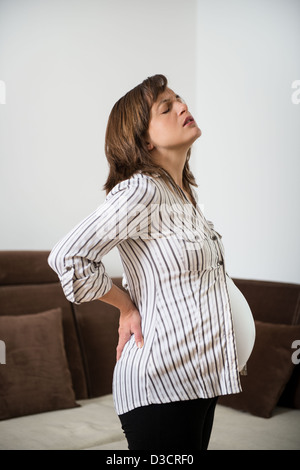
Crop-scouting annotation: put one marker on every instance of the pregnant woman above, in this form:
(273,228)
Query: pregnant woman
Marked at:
(185,330)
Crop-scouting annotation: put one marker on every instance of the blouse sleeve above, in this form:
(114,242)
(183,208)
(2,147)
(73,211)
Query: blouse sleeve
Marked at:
(77,258)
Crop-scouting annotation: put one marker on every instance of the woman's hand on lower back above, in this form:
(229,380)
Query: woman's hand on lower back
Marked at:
(130,319)
(129,324)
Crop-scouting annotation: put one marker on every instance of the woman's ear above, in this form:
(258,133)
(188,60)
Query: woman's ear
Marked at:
(147,138)
(150,146)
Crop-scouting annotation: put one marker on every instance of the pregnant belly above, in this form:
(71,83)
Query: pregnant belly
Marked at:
(243,323)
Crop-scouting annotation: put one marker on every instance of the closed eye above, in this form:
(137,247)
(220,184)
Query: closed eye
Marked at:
(178,98)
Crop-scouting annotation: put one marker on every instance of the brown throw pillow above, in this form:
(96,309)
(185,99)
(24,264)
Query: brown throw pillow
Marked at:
(36,376)
(270,366)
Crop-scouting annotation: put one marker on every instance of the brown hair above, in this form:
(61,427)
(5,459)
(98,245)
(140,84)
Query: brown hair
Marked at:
(125,139)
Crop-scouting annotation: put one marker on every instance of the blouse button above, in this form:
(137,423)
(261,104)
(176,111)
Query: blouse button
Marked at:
(214,237)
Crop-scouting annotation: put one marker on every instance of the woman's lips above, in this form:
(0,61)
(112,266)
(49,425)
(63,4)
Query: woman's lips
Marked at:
(188,120)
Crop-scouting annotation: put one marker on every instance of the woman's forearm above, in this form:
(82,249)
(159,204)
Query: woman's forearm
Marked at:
(118,298)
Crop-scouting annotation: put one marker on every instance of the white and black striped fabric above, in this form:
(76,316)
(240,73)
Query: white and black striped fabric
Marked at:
(175,273)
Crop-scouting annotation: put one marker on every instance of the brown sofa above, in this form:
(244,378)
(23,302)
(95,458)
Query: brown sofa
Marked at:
(79,354)
(29,286)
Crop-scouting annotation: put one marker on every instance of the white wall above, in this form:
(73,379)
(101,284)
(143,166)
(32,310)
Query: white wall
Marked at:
(66,62)
(248,157)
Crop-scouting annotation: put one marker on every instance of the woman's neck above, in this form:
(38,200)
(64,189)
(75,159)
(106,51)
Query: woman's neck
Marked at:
(177,177)
(174,165)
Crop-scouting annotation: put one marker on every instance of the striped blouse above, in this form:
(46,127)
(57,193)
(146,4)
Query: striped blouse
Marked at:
(174,271)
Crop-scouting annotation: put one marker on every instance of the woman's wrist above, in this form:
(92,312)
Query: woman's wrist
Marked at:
(119,299)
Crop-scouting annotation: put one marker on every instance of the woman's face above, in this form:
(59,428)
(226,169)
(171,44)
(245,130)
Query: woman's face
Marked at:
(171,125)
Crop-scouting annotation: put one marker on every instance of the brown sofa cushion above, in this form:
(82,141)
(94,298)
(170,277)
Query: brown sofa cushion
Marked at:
(290,397)
(36,376)
(28,285)
(269,369)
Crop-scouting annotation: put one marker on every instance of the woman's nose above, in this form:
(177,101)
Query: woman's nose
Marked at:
(182,108)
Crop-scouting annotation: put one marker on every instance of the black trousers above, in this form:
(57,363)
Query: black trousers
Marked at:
(183,425)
